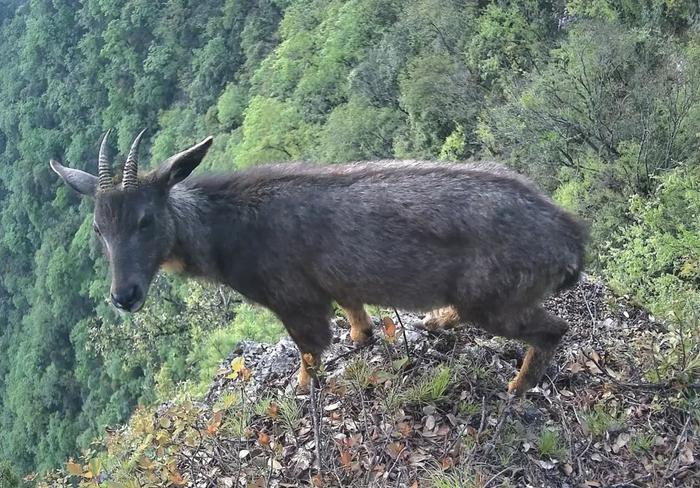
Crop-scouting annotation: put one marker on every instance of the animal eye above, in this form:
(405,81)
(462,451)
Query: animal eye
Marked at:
(96,229)
(145,222)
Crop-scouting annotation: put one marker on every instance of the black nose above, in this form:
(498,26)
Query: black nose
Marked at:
(126,298)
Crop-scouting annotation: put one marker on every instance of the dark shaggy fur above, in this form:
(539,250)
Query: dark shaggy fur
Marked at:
(414,235)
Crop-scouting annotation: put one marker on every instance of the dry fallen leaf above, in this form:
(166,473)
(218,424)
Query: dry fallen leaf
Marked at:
(177,479)
(686,457)
(620,442)
(419,458)
(389,328)
(447,463)
(213,426)
(74,468)
(302,460)
(575,367)
(264,439)
(394,450)
(237,365)
(345,459)
(405,429)
(593,367)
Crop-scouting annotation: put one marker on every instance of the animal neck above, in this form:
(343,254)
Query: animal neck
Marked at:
(191,252)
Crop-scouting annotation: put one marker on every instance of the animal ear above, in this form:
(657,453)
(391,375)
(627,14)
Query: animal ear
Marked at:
(82,182)
(178,167)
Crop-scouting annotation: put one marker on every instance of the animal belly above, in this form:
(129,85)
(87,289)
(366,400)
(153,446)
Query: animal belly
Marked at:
(415,293)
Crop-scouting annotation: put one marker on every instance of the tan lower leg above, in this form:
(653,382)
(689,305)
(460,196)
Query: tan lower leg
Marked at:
(360,324)
(307,370)
(534,365)
(442,318)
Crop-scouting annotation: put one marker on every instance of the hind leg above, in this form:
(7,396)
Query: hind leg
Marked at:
(310,330)
(534,326)
(442,318)
(542,331)
(360,323)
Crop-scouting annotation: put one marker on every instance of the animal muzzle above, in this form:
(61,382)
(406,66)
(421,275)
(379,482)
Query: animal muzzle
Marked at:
(128,299)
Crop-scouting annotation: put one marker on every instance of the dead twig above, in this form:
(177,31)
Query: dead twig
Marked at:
(637,386)
(315,420)
(403,331)
(496,476)
(631,482)
(369,342)
(678,444)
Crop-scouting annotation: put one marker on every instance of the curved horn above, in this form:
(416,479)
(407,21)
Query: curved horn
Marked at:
(131,168)
(104,174)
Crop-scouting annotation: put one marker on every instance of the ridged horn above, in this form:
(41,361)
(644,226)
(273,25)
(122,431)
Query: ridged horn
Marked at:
(104,174)
(131,167)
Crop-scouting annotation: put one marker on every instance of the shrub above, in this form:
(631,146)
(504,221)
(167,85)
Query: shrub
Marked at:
(8,479)
(656,260)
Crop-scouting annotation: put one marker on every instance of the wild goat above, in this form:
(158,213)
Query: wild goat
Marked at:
(478,242)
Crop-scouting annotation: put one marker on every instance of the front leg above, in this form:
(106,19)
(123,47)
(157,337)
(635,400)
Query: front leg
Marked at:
(309,327)
(360,323)
(308,370)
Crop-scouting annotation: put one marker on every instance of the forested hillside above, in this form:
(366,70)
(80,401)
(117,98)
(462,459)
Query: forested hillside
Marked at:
(598,100)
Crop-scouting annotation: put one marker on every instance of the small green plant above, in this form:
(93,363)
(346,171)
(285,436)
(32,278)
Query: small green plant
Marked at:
(456,479)
(677,353)
(431,387)
(550,444)
(599,421)
(8,479)
(359,373)
(506,444)
(227,401)
(261,408)
(376,311)
(237,425)
(468,408)
(480,373)
(392,397)
(641,444)
(290,412)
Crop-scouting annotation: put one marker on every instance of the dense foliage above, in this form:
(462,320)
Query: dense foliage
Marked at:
(598,100)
